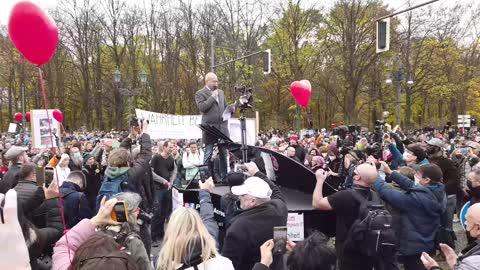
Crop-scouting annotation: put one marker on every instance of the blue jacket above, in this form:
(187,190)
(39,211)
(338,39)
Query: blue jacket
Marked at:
(420,207)
(75,204)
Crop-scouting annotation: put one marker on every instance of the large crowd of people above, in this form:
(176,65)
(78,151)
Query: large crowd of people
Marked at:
(103,200)
(419,180)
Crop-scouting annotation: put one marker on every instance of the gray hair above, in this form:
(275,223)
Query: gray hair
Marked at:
(132,200)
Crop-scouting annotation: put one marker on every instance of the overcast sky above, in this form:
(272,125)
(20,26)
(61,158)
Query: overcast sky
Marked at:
(6,5)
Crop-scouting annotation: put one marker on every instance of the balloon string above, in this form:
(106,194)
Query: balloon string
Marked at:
(62,212)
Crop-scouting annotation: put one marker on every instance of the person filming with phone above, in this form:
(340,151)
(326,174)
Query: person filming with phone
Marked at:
(262,208)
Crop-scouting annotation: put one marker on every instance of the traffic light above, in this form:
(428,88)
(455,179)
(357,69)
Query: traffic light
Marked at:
(267,61)
(383,35)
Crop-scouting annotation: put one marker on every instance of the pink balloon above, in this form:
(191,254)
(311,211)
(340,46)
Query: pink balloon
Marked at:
(58,115)
(307,84)
(27,116)
(301,93)
(33,32)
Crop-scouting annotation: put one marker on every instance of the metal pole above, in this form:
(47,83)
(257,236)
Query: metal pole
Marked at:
(130,109)
(212,52)
(239,58)
(23,106)
(399,102)
(405,10)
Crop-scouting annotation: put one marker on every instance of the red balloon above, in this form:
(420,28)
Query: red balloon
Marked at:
(18,117)
(58,115)
(33,32)
(27,115)
(301,93)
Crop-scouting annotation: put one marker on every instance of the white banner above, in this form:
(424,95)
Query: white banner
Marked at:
(169,126)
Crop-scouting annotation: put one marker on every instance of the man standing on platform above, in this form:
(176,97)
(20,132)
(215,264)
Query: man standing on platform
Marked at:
(212,103)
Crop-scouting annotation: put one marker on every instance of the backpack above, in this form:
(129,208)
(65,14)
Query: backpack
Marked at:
(111,187)
(372,233)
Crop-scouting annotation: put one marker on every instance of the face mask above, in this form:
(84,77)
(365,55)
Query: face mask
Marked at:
(324,155)
(332,158)
(405,155)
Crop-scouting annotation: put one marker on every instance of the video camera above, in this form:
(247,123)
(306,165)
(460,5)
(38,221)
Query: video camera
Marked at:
(245,96)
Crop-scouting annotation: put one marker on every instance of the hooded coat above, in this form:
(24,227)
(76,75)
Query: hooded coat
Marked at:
(421,208)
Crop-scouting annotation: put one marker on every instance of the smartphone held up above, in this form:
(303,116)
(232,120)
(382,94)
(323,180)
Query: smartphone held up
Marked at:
(119,212)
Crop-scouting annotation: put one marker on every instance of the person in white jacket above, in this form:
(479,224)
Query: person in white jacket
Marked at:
(188,242)
(192,158)
(62,170)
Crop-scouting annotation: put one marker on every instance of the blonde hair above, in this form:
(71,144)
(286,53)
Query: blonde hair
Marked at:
(184,231)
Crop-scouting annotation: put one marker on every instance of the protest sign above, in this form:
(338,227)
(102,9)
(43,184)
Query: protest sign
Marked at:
(40,129)
(12,128)
(169,126)
(295,227)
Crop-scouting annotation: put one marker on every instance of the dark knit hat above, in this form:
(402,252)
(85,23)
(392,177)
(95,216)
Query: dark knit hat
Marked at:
(86,157)
(418,151)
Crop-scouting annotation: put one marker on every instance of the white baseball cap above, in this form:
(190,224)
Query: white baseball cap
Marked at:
(253,186)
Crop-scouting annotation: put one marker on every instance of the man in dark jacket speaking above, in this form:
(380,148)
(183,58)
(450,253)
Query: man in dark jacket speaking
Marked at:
(212,103)
(262,208)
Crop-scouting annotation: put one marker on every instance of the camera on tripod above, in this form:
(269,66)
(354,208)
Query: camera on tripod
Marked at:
(245,96)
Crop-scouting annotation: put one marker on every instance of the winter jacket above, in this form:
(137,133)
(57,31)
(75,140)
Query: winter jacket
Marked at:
(451,176)
(130,239)
(93,175)
(250,228)
(10,179)
(75,204)
(48,219)
(76,236)
(29,196)
(469,258)
(420,211)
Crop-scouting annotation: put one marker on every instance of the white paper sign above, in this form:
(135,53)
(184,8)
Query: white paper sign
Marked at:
(177,199)
(169,126)
(12,128)
(295,227)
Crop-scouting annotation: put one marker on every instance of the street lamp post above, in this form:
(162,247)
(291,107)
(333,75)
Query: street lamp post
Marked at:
(130,92)
(398,78)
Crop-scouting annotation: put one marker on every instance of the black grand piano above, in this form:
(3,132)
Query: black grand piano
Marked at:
(295,180)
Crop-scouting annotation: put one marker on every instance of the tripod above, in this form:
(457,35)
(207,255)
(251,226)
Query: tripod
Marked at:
(243,128)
